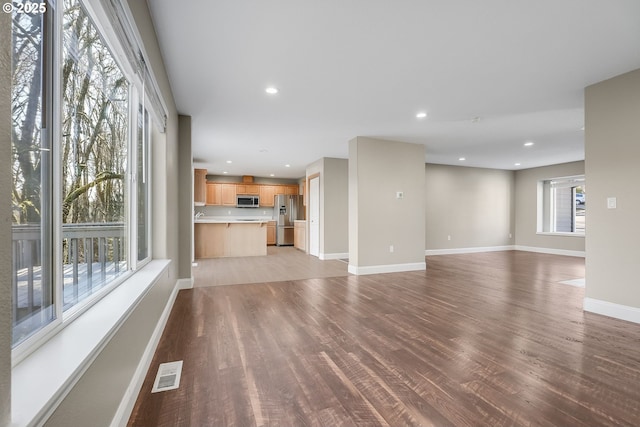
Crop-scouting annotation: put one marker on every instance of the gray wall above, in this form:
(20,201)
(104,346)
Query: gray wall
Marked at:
(95,398)
(334,204)
(377,219)
(527,207)
(472,205)
(5,219)
(185,195)
(612,146)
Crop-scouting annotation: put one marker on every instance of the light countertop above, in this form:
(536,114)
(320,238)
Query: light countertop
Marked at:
(218,220)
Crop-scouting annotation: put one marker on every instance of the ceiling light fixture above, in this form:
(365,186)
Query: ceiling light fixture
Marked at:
(528,144)
(421,115)
(271,90)
(517,164)
(225,172)
(229,161)
(272,174)
(462,159)
(287,166)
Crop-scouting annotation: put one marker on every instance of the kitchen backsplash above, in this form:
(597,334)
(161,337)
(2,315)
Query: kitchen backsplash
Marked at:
(222,211)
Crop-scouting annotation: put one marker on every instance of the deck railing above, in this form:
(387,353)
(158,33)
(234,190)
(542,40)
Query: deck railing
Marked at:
(92,255)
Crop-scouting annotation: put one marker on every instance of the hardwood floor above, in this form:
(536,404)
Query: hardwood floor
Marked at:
(490,339)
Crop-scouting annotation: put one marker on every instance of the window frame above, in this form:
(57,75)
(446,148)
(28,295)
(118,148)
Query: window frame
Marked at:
(545,224)
(54,108)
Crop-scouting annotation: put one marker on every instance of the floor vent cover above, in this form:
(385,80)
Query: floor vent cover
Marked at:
(168,377)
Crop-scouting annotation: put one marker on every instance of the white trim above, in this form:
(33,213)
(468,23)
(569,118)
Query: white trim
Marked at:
(551,251)
(618,311)
(389,268)
(561,233)
(337,255)
(129,399)
(185,283)
(43,379)
(429,252)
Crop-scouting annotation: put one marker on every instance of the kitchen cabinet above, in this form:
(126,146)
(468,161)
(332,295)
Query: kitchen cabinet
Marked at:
(214,194)
(228,194)
(252,189)
(292,190)
(299,235)
(199,187)
(271,233)
(230,239)
(266,195)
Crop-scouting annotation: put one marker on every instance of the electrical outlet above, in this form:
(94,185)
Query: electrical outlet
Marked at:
(391,248)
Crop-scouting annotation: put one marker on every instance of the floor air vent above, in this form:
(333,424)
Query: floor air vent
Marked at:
(168,377)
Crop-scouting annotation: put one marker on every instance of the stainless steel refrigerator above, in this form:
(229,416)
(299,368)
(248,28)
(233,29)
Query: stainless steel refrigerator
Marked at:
(286,209)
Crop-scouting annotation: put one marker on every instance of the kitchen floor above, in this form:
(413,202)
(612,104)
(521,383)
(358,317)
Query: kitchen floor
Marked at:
(281,263)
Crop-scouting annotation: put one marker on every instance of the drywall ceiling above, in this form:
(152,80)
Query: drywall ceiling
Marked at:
(490,74)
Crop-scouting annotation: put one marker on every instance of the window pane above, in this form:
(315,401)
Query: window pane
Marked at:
(31,166)
(143,183)
(94,159)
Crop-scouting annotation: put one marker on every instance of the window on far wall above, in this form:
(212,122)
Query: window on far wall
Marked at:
(562,205)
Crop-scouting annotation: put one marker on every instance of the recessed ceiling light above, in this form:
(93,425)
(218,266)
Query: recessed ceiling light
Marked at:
(225,172)
(287,166)
(271,90)
(273,174)
(528,144)
(517,164)
(462,159)
(421,115)
(229,161)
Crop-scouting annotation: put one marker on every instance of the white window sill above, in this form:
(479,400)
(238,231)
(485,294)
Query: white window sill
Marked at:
(44,378)
(544,233)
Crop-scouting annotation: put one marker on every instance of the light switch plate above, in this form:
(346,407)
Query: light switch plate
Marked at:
(399,195)
(612,202)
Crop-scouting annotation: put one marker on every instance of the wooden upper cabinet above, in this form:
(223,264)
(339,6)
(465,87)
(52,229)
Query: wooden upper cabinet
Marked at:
(228,194)
(266,195)
(292,190)
(214,194)
(252,189)
(199,186)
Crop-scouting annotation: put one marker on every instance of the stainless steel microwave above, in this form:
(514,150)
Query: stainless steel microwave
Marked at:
(244,201)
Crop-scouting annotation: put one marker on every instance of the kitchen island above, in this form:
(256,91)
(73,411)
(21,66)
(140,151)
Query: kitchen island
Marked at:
(215,238)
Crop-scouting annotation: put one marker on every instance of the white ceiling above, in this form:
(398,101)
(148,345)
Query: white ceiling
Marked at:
(349,68)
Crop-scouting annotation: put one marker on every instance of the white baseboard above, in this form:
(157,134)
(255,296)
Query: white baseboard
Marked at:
(389,268)
(185,283)
(121,418)
(343,255)
(551,251)
(429,252)
(618,311)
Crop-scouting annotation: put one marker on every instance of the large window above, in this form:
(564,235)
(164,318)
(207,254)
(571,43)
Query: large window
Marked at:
(33,292)
(94,159)
(562,205)
(80,162)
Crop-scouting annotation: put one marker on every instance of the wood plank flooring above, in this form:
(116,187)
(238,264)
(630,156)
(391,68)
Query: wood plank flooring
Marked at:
(490,339)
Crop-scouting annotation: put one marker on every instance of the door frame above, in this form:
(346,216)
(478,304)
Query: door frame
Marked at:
(308,192)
